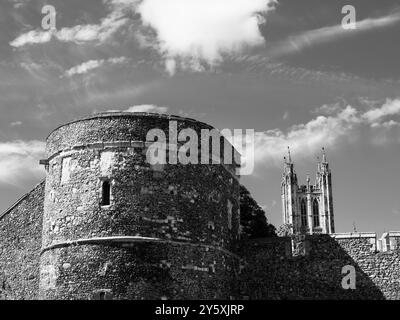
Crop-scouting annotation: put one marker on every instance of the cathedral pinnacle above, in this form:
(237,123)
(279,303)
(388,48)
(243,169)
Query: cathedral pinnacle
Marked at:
(290,157)
(323,155)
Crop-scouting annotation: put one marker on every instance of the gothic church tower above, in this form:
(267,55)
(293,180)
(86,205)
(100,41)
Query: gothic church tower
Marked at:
(308,208)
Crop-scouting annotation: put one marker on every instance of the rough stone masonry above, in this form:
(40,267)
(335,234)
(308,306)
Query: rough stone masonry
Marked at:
(107,225)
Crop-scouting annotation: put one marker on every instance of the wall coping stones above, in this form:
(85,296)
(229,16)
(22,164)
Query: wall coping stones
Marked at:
(137,115)
(351,235)
(394,233)
(123,114)
(20,200)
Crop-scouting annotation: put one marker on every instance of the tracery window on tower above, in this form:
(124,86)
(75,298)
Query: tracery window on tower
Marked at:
(303,210)
(315,213)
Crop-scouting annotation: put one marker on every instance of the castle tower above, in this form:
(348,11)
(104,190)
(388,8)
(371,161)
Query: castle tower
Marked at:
(116,227)
(308,208)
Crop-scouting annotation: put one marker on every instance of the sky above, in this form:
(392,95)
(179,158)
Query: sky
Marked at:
(288,69)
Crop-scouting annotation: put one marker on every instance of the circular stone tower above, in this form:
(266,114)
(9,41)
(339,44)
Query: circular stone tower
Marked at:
(117,227)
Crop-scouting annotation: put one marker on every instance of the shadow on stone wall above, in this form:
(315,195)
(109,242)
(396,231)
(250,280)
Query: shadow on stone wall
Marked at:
(302,268)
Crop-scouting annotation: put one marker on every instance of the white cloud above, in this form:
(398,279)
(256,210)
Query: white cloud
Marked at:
(93,64)
(303,139)
(19,162)
(390,108)
(286,115)
(82,33)
(147,108)
(84,67)
(186,33)
(117,60)
(328,109)
(343,125)
(144,108)
(19,3)
(15,124)
(31,37)
(202,30)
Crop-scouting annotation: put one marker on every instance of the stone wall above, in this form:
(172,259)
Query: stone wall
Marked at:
(20,243)
(139,270)
(311,268)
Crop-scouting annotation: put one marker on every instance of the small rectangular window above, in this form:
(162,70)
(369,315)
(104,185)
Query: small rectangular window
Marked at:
(106,193)
(103,294)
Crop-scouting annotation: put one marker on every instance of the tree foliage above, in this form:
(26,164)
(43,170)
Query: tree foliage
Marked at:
(253,221)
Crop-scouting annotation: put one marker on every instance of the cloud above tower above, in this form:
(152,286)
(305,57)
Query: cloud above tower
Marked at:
(333,125)
(19,162)
(189,32)
(147,108)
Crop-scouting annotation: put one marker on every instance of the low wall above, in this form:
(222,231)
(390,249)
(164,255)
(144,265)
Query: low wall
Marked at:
(311,268)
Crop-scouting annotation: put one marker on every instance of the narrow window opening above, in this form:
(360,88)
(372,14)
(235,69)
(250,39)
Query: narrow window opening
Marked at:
(102,294)
(211,268)
(106,193)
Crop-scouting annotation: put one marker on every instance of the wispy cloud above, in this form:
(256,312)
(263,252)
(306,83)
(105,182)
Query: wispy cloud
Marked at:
(263,64)
(328,109)
(93,64)
(285,115)
(15,124)
(19,162)
(147,108)
(84,67)
(299,42)
(390,108)
(144,108)
(82,33)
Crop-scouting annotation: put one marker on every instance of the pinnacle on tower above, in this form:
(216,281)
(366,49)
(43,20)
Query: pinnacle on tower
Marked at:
(323,155)
(290,157)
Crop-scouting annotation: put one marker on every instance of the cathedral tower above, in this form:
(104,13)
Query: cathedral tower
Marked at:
(308,208)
